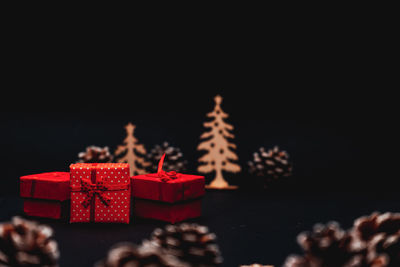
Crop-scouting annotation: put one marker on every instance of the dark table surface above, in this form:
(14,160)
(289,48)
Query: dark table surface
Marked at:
(251,227)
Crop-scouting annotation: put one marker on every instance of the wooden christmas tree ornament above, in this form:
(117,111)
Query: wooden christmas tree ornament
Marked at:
(132,152)
(219,156)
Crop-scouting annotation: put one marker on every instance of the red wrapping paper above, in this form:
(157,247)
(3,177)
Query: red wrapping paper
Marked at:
(44,208)
(49,185)
(184,187)
(167,196)
(100,192)
(45,194)
(171,213)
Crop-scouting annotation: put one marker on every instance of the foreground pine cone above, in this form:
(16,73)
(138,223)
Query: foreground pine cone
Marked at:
(173,158)
(191,243)
(381,233)
(95,154)
(272,164)
(146,255)
(374,241)
(256,265)
(26,243)
(326,246)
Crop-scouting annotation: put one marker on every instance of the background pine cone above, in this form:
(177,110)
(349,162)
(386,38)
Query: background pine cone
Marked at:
(191,243)
(173,158)
(127,255)
(272,164)
(26,243)
(95,154)
(374,241)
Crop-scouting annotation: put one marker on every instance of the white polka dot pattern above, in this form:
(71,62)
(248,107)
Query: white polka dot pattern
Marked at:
(111,174)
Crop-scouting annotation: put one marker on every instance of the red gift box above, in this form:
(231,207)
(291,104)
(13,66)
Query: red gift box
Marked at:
(45,194)
(100,192)
(167,196)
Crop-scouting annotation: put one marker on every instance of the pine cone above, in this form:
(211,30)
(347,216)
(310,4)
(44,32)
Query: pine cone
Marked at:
(95,154)
(381,233)
(173,158)
(272,165)
(367,227)
(26,243)
(327,246)
(127,255)
(191,243)
(374,241)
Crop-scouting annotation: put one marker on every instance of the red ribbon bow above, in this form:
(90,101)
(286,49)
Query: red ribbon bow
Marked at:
(92,190)
(166,176)
(163,175)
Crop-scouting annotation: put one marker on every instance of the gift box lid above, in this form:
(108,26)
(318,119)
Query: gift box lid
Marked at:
(167,186)
(110,173)
(48,185)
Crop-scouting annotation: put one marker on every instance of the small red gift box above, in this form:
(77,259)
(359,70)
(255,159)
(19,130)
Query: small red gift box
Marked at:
(167,196)
(100,192)
(45,194)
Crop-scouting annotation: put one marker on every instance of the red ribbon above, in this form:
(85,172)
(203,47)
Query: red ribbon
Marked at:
(163,175)
(91,190)
(167,176)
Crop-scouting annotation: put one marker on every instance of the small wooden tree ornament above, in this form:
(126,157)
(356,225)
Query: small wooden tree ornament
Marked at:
(219,156)
(133,152)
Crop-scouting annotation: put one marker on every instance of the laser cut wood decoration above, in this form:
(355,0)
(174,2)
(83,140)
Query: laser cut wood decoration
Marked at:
(132,152)
(220,156)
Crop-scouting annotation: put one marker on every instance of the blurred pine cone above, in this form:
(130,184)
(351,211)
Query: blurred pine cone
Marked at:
(95,154)
(191,243)
(381,233)
(26,243)
(256,265)
(127,255)
(374,241)
(271,165)
(326,246)
(174,160)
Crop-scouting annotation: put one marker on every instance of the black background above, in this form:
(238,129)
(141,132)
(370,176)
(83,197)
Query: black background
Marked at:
(327,103)
(336,139)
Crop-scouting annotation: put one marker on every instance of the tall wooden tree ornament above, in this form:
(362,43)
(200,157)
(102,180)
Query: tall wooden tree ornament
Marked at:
(220,156)
(132,152)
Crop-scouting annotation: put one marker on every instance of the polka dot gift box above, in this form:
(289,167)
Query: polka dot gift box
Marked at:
(100,192)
